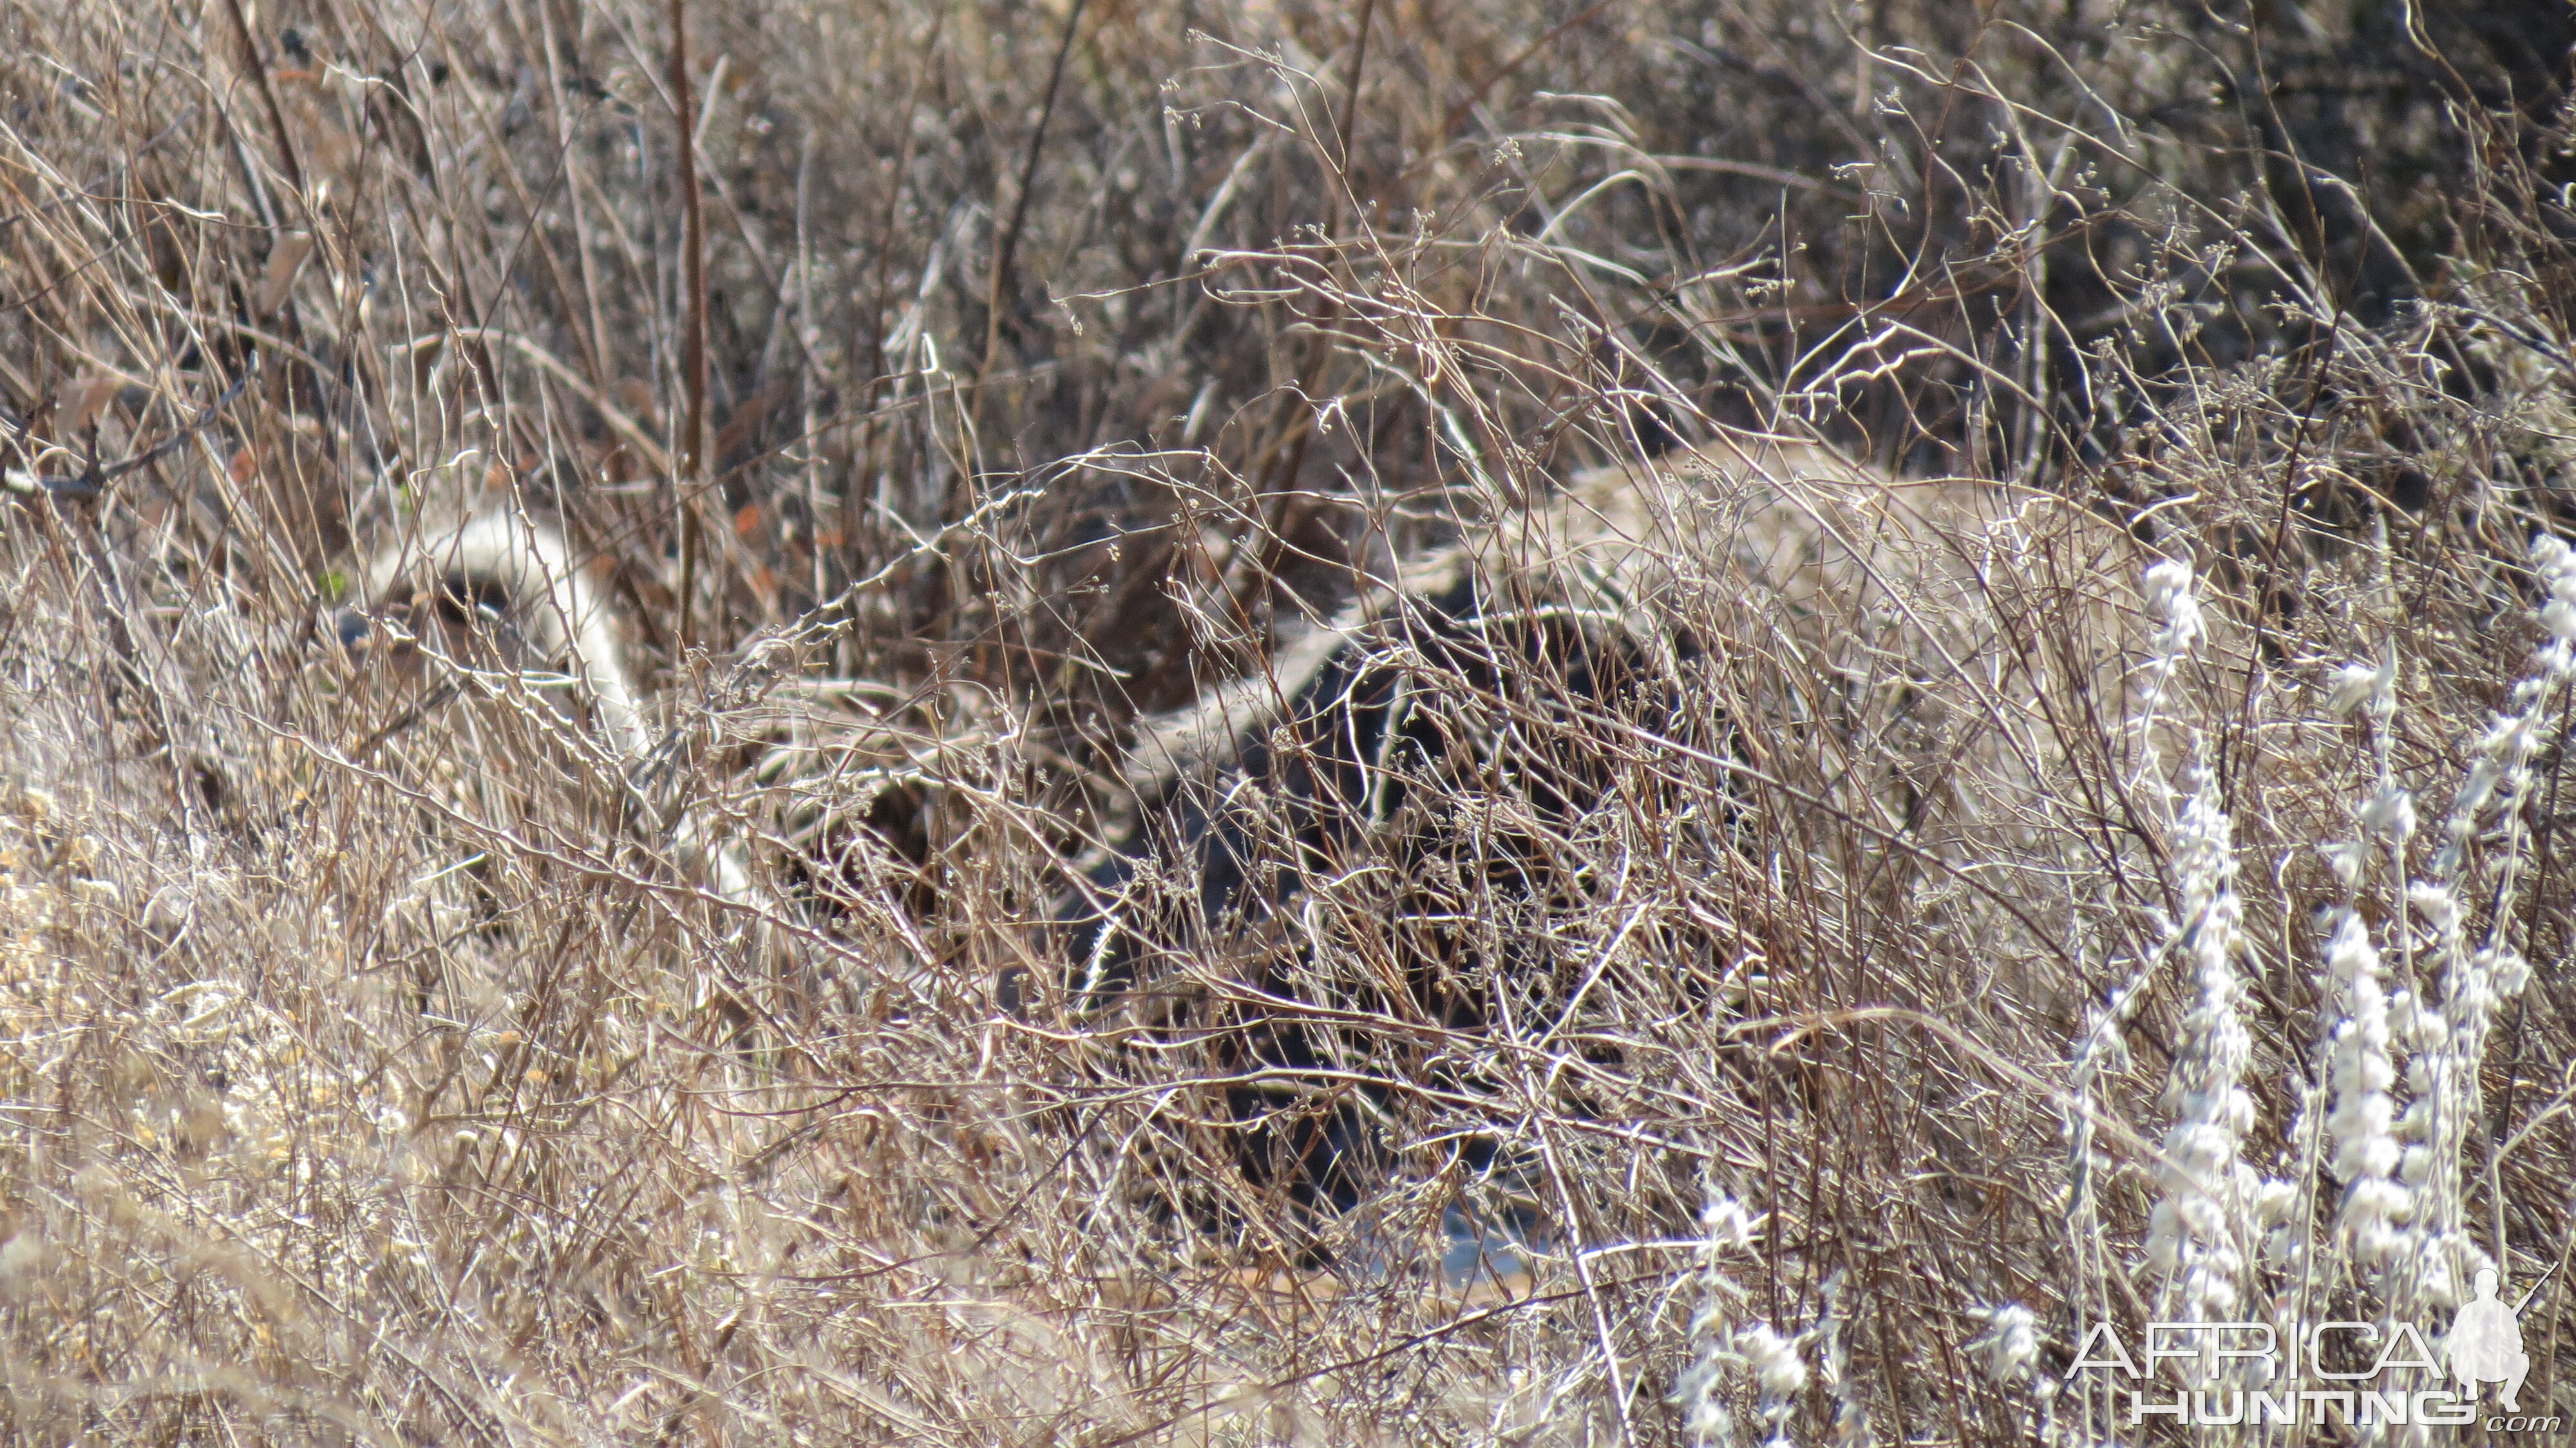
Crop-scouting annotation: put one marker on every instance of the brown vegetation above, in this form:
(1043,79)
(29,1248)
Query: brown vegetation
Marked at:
(1849,938)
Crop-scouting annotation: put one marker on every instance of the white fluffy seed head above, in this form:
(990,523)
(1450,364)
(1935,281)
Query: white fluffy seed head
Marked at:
(2390,813)
(2011,1342)
(2360,1070)
(2348,687)
(1778,1372)
(2197,1230)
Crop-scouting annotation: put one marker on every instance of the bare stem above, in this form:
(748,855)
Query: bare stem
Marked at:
(691,456)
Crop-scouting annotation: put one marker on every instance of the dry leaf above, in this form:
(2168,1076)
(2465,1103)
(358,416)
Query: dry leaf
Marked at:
(82,399)
(284,261)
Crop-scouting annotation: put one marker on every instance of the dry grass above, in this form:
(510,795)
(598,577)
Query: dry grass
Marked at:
(1824,989)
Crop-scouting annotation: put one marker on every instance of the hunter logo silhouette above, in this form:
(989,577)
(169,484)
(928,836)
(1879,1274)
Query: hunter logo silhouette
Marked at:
(2486,1342)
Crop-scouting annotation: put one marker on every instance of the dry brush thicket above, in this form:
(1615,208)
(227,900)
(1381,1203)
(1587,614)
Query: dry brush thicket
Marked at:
(1731,951)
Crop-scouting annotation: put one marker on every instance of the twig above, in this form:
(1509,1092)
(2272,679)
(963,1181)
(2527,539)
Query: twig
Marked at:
(1007,250)
(1293,432)
(93,480)
(268,93)
(1351,101)
(894,208)
(693,358)
(1503,72)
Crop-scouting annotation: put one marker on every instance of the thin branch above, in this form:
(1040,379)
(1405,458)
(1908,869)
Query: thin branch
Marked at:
(1006,251)
(693,356)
